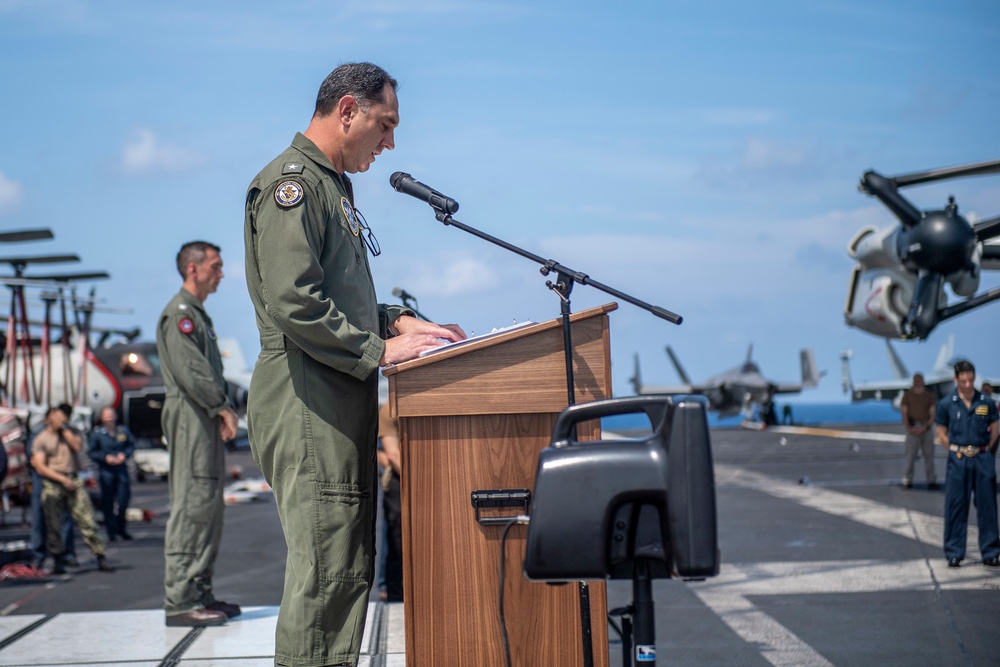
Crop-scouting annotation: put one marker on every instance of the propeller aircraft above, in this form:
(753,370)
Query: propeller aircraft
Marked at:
(897,287)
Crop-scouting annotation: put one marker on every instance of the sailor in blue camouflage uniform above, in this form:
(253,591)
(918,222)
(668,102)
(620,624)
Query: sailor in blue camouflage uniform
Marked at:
(967,427)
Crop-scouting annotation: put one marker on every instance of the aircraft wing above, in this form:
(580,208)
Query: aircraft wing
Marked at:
(879,391)
(672,391)
(789,388)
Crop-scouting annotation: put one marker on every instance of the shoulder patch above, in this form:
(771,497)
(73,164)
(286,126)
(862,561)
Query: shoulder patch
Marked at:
(292,168)
(186,325)
(288,194)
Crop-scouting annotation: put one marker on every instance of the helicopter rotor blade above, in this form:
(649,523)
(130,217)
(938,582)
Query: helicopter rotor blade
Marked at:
(977,169)
(22,235)
(67,277)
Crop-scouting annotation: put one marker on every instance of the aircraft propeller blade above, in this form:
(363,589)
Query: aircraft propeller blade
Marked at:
(884,188)
(26,235)
(987,229)
(923,315)
(977,169)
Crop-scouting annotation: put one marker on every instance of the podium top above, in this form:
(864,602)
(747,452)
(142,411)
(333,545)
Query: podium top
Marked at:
(514,334)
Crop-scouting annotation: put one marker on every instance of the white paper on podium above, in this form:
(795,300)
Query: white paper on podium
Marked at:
(473,339)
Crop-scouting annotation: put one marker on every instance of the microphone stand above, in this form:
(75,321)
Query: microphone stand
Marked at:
(406,302)
(565,279)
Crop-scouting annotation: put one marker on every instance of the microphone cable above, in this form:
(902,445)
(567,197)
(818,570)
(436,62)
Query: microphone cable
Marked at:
(522,519)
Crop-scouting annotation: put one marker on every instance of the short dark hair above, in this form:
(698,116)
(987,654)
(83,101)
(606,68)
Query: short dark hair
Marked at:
(964,367)
(54,408)
(193,251)
(365,81)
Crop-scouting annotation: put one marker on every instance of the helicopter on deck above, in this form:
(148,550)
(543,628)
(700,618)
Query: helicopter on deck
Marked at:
(65,359)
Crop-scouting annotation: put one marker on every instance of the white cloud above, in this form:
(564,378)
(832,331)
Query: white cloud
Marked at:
(145,154)
(769,154)
(10,192)
(450,277)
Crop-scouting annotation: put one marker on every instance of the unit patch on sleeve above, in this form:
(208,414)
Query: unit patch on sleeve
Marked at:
(288,194)
(186,325)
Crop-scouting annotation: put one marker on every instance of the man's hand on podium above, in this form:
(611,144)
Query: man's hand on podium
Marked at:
(414,336)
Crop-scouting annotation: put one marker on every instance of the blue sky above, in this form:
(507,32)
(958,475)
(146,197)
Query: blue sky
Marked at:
(702,156)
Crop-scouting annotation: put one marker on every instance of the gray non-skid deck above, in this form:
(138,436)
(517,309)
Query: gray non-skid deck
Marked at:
(826,561)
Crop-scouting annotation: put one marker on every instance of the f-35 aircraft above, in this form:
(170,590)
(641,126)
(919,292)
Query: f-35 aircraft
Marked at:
(897,287)
(738,389)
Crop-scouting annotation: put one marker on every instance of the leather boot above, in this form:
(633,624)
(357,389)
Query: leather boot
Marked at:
(103,565)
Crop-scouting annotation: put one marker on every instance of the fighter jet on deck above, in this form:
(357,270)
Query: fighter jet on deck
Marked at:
(737,390)
(940,380)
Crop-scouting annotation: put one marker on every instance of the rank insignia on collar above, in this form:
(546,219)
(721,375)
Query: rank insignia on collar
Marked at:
(352,219)
(288,194)
(186,325)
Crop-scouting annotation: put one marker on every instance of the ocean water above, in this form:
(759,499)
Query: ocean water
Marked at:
(803,414)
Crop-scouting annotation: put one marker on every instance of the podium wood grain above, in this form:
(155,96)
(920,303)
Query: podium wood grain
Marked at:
(475,417)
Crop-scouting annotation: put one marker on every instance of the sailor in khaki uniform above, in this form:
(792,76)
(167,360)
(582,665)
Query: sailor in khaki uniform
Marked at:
(197,420)
(313,404)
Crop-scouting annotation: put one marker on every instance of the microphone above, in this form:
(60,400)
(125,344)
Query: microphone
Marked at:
(403,182)
(401,293)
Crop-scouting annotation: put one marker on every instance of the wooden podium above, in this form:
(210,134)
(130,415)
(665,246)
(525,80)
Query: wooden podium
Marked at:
(474,417)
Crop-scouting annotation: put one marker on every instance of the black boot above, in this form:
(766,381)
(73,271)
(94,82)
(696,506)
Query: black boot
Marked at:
(103,565)
(59,565)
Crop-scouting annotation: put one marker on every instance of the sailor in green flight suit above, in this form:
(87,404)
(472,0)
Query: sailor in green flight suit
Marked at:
(197,420)
(313,400)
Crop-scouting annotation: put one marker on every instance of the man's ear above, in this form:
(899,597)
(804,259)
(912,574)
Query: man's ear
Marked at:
(347,109)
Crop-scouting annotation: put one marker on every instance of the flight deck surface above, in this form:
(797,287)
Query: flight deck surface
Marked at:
(826,560)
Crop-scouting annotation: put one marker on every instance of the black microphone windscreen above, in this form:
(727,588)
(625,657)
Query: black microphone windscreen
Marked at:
(395,179)
(397,291)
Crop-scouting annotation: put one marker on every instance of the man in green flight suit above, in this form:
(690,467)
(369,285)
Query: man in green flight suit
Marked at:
(313,401)
(197,420)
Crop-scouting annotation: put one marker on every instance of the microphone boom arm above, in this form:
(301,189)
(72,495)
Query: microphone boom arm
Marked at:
(549,265)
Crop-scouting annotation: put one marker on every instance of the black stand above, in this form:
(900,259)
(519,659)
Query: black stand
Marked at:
(406,302)
(565,278)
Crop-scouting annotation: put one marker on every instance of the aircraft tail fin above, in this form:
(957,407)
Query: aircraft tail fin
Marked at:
(810,374)
(898,367)
(945,358)
(234,362)
(845,372)
(677,366)
(636,378)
